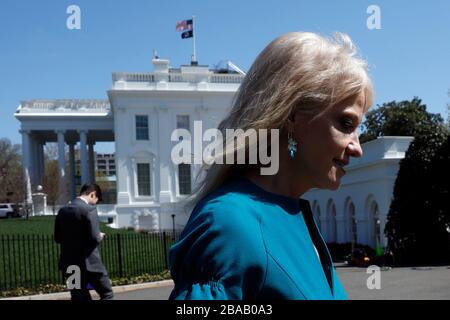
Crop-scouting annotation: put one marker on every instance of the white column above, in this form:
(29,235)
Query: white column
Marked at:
(91,163)
(122,138)
(26,167)
(41,163)
(72,170)
(33,162)
(62,195)
(165,128)
(83,157)
(38,163)
(202,113)
(154,125)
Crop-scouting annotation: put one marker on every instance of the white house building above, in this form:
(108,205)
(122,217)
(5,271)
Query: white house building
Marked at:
(140,115)
(147,108)
(142,112)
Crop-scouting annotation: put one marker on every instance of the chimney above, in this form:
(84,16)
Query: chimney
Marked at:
(160,65)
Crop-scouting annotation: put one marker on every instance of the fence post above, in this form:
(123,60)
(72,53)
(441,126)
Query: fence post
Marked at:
(166,262)
(3,280)
(119,254)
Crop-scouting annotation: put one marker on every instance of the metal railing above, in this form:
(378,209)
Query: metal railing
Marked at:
(65,105)
(151,77)
(31,261)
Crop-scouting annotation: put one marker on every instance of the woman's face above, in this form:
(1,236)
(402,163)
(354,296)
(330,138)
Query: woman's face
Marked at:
(326,142)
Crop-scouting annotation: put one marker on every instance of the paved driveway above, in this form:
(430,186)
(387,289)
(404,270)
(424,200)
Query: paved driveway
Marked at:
(398,283)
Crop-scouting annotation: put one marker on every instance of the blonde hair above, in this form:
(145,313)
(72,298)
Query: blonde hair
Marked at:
(297,72)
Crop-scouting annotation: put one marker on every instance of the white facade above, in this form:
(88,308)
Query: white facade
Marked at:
(142,112)
(192,92)
(358,209)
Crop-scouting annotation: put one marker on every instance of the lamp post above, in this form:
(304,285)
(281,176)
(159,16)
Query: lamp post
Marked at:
(448,231)
(173,226)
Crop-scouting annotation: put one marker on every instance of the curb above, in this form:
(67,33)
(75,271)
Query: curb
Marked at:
(117,289)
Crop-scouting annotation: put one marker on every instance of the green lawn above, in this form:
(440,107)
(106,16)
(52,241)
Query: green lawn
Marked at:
(28,254)
(43,225)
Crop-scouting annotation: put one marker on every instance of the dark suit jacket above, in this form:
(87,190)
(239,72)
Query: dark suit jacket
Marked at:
(77,231)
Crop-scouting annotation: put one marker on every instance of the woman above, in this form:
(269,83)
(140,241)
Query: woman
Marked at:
(251,236)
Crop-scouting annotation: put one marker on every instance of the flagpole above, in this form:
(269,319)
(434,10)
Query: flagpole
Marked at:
(194,56)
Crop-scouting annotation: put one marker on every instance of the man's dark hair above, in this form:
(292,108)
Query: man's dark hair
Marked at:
(91,187)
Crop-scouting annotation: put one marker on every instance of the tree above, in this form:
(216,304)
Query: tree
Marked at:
(440,187)
(405,118)
(448,111)
(51,176)
(419,212)
(11,172)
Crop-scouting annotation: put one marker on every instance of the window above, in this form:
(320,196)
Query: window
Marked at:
(143,179)
(142,128)
(183,122)
(184,178)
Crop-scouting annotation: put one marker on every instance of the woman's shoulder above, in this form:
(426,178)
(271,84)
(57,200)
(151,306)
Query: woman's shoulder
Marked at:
(228,204)
(226,215)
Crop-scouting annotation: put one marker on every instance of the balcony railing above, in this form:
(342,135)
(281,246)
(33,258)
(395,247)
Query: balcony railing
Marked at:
(152,77)
(64,106)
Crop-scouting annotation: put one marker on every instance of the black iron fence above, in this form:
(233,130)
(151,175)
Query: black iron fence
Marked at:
(31,261)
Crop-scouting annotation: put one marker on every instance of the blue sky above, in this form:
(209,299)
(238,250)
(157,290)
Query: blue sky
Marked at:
(41,59)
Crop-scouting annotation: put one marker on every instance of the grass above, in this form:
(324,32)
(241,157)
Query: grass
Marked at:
(43,225)
(28,254)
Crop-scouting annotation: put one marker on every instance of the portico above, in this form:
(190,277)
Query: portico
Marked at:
(73,122)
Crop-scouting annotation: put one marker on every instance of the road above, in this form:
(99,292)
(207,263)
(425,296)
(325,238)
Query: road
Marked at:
(397,283)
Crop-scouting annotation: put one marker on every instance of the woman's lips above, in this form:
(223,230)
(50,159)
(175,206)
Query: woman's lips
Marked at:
(340,164)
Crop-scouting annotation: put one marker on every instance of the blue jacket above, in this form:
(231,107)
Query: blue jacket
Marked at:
(242,242)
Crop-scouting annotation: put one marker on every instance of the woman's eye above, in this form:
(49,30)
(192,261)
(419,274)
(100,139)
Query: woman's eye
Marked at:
(347,125)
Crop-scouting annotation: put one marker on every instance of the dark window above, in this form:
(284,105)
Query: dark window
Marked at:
(143,179)
(142,128)
(183,122)
(184,178)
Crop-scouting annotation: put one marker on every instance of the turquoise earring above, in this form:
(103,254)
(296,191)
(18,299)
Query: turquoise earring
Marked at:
(292,146)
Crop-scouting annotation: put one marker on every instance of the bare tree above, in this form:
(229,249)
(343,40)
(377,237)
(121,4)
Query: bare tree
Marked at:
(51,176)
(11,175)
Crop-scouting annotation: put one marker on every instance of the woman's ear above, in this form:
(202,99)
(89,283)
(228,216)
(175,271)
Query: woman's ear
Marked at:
(291,123)
(299,124)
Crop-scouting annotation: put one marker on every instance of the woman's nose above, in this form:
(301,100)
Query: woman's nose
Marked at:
(354,148)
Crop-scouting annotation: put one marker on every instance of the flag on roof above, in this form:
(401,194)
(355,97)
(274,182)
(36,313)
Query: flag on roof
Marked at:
(184,25)
(187,34)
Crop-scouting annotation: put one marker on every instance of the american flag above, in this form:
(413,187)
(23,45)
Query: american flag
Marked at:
(184,25)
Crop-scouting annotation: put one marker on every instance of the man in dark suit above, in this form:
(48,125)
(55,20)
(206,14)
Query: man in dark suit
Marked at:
(78,233)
